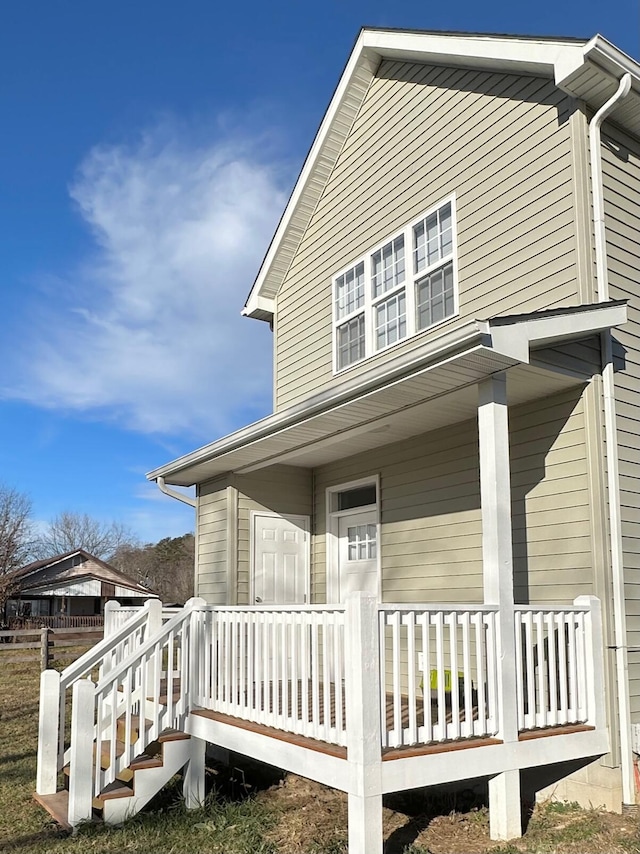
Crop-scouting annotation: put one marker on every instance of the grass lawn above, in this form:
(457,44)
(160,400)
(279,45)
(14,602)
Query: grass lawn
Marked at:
(251,811)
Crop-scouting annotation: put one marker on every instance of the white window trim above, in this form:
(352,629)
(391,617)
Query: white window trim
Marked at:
(409,286)
(332,532)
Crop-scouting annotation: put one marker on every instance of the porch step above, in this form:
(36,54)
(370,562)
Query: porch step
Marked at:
(117,789)
(172,735)
(57,806)
(124,786)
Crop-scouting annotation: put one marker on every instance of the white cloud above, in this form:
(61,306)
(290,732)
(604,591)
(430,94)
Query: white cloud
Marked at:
(148,331)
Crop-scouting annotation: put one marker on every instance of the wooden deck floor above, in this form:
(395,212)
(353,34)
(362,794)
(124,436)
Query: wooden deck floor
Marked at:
(272,702)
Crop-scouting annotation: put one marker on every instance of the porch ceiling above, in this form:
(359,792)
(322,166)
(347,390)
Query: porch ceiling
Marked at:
(433,386)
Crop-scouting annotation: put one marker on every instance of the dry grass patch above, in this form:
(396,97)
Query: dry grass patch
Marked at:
(251,810)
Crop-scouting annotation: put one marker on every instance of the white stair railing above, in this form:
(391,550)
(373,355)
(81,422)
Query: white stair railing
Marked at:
(116,615)
(130,706)
(55,687)
(559,664)
(281,666)
(438,676)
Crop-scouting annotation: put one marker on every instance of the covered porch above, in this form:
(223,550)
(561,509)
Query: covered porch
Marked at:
(401,689)
(363,697)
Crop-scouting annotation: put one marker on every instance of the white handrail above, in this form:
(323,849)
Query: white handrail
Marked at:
(159,666)
(94,656)
(53,687)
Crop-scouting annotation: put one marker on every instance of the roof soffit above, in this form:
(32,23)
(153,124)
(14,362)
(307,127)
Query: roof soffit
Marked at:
(454,360)
(585,70)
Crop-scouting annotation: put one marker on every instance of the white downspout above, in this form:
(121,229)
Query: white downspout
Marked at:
(172,493)
(613,481)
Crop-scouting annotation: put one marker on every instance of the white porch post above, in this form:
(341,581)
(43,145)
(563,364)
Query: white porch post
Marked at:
(81,749)
(505,820)
(364,737)
(193,781)
(48,722)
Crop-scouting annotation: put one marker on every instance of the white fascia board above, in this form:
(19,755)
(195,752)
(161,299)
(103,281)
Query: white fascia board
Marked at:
(516,338)
(599,54)
(612,59)
(501,53)
(352,86)
(534,56)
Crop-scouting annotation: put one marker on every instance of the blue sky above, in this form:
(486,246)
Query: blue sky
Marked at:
(147,151)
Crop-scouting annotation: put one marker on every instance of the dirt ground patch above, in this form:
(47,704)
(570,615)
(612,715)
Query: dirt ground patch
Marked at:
(312,818)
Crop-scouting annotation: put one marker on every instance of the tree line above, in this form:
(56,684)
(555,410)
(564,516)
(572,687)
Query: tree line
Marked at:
(166,567)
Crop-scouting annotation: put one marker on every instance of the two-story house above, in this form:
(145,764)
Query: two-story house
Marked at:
(424,566)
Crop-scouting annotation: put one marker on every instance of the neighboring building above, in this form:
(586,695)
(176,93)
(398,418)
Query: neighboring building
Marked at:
(74,584)
(453,291)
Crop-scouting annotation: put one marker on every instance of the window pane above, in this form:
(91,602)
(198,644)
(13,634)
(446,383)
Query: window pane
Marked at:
(350,341)
(435,297)
(350,291)
(387,267)
(432,238)
(391,320)
(362,542)
(361,496)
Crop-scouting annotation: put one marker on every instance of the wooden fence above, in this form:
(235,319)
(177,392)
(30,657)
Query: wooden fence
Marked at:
(57,622)
(46,645)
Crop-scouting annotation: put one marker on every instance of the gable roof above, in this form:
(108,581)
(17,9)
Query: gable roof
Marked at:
(28,575)
(586,69)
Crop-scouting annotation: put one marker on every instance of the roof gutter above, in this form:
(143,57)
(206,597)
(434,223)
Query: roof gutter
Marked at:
(173,493)
(611,443)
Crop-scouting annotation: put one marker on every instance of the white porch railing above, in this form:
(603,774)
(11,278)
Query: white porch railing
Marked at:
(355,675)
(438,676)
(116,615)
(145,694)
(555,664)
(130,706)
(55,688)
(278,666)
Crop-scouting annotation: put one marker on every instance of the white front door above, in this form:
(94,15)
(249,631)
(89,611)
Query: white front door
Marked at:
(358,549)
(280,559)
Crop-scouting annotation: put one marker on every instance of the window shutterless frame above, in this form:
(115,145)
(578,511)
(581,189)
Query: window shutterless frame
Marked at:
(396,290)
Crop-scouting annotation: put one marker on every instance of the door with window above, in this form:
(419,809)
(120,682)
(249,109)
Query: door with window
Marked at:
(358,553)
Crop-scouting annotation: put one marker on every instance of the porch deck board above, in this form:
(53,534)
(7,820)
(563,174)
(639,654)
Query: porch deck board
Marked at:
(270,701)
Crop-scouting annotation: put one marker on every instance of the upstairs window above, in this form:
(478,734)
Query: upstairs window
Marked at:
(404,286)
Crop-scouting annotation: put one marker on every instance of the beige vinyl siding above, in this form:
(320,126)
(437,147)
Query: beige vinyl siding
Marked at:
(211,542)
(278,489)
(500,142)
(621,178)
(431,540)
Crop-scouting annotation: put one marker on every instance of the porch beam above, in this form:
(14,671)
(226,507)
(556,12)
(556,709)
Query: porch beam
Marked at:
(497,573)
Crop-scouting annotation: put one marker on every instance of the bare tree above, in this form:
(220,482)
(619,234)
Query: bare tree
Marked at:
(69,531)
(15,536)
(15,528)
